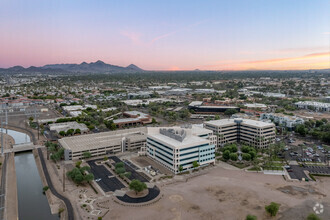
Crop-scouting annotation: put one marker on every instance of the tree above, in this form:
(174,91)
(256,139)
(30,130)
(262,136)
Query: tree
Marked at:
(70,132)
(195,164)
(137,186)
(153,121)
(313,216)
(87,155)
(233,156)
(62,133)
(120,170)
(301,130)
(119,165)
(217,117)
(226,155)
(77,131)
(180,168)
(251,217)
(272,208)
(78,163)
(246,156)
(230,111)
(78,175)
(252,154)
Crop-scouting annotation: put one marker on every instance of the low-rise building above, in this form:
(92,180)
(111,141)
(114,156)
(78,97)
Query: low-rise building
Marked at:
(255,133)
(65,126)
(201,108)
(282,120)
(317,106)
(178,148)
(133,118)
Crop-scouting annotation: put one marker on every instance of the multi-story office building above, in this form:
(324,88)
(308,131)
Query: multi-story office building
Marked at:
(103,143)
(255,133)
(177,148)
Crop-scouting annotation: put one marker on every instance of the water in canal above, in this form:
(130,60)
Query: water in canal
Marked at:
(32,203)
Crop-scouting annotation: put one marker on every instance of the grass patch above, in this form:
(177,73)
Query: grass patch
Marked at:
(240,165)
(312,177)
(317,174)
(254,169)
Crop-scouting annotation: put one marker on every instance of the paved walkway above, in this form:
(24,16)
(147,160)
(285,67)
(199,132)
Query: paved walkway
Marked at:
(3,187)
(52,188)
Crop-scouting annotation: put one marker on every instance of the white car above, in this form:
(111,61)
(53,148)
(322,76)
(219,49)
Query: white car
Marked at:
(97,180)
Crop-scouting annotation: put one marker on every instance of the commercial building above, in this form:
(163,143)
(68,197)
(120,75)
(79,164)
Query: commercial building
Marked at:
(317,106)
(103,143)
(255,106)
(133,118)
(177,148)
(200,108)
(65,126)
(252,132)
(282,120)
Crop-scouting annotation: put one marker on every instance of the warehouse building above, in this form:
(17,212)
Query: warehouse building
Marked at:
(103,143)
(252,132)
(177,148)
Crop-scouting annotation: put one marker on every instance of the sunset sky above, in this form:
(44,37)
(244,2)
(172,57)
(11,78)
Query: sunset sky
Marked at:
(167,35)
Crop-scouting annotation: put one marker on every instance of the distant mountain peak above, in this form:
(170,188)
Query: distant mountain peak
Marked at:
(99,62)
(133,67)
(93,67)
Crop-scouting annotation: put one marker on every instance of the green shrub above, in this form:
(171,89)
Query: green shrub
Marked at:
(313,216)
(251,217)
(272,208)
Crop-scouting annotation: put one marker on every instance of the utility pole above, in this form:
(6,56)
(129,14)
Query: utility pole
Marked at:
(35,117)
(64,177)
(6,111)
(1,137)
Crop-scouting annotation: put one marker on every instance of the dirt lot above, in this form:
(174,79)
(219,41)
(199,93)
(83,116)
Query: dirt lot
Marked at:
(145,161)
(315,115)
(229,194)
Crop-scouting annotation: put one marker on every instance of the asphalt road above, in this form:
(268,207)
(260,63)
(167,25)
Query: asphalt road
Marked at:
(298,171)
(52,188)
(134,173)
(3,187)
(153,193)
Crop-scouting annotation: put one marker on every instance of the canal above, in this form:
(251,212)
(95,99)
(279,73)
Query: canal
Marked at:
(32,203)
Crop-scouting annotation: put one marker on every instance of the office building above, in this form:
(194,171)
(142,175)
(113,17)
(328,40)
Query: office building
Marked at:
(252,132)
(201,108)
(177,148)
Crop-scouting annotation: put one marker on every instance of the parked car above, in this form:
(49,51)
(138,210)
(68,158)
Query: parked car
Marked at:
(98,180)
(287,167)
(289,170)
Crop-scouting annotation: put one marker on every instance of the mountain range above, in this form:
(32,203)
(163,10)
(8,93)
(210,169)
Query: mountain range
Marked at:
(93,67)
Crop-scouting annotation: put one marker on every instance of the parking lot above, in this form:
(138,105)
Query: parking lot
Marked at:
(107,181)
(297,172)
(307,152)
(130,167)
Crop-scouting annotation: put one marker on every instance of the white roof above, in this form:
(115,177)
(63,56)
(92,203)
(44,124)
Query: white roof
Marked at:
(189,140)
(224,122)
